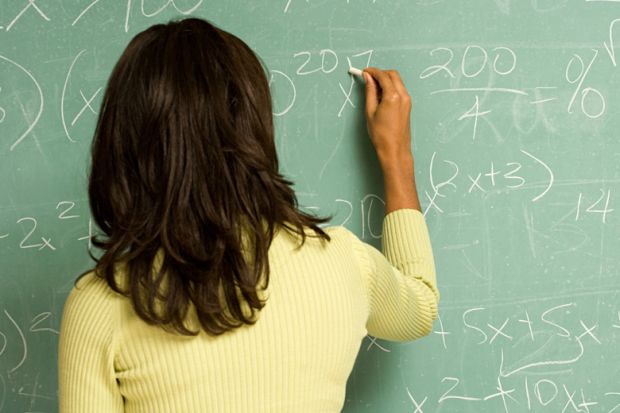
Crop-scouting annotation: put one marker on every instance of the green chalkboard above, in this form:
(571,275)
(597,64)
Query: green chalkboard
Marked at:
(516,126)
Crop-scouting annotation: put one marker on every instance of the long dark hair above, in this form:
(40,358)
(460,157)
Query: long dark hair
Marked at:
(184,180)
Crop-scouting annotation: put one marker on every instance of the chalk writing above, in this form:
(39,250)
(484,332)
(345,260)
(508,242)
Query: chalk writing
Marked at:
(31,239)
(41,102)
(509,178)
(30,5)
(514,135)
(586,92)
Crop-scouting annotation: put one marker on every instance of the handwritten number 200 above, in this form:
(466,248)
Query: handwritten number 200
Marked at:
(504,61)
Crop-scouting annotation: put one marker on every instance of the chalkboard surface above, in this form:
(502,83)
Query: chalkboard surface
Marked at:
(517,149)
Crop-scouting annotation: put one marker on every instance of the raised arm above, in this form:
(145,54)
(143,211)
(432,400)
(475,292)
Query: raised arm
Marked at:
(402,282)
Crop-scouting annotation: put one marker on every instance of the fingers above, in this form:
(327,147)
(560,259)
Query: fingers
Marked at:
(392,89)
(372,95)
(388,108)
(399,85)
(379,86)
(384,80)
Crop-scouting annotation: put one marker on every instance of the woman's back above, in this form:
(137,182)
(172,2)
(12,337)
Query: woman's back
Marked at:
(213,291)
(323,298)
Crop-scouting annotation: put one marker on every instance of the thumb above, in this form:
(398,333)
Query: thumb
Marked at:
(372,95)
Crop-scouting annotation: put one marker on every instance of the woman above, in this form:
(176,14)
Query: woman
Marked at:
(214,293)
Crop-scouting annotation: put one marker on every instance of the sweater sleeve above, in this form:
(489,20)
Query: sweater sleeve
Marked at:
(86,375)
(401,282)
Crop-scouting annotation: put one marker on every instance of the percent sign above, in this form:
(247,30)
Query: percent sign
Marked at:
(582,73)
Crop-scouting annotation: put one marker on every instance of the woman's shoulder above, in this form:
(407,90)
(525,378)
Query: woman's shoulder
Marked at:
(89,283)
(343,244)
(90,317)
(87,280)
(338,235)
(90,291)
(343,236)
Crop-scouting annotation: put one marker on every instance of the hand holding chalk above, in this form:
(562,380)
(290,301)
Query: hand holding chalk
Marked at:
(356,72)
(388,107)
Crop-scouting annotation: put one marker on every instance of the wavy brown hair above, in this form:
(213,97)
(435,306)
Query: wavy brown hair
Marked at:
(184,181)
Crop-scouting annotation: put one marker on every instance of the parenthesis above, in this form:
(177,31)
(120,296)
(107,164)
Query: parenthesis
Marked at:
(551,177)
(23,135)
(23,338)
(62,96)
(294,91)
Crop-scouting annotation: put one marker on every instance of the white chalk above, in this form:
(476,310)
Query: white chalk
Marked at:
(356,72)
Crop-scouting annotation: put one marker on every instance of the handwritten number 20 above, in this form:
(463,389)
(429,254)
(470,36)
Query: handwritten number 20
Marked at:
(325,67)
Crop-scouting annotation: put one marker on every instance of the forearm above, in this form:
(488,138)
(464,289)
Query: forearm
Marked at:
(399,183)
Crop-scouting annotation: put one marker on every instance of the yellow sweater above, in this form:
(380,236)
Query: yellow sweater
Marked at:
(322,300)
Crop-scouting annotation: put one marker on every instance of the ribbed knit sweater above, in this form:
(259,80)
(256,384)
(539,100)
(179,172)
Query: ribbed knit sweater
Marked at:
(323,299)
